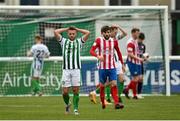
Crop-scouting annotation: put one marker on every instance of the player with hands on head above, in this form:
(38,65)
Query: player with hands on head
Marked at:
(71,47)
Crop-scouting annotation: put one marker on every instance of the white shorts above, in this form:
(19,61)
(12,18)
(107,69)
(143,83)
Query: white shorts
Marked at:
(119,68)
(71,77)
(36,72)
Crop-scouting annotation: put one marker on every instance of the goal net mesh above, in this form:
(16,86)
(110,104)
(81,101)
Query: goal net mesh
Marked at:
(18,28)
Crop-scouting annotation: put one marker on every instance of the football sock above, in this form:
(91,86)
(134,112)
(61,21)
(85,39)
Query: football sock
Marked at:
(75,101)
(66,98)
(38,85)
(120,87)
(108,92)
(130,85)
(34,85)
(139,89)
(102,94)
(114,93)
(97,90)
(134,87)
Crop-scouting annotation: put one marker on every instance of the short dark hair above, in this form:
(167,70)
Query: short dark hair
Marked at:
(141,36)
(134,30)
(105,28)
(72,28)
(38,37)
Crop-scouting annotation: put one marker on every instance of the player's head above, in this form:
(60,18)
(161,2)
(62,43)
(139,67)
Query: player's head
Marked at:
(135,33)
(38,39)
(114,31)
(72,32)
(141,37)
(105,31)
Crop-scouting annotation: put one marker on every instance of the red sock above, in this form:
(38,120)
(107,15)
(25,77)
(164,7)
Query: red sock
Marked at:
(134,88)
(102,94)
(114,93)
(130,85)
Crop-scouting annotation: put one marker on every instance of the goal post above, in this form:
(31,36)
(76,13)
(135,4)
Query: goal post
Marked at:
(23,22)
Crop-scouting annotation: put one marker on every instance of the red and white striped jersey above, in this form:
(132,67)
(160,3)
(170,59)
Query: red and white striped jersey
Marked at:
(106,48)
(132,47)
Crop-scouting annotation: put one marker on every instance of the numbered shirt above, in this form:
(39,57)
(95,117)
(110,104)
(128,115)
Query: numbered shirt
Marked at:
(39,51)
(71,52)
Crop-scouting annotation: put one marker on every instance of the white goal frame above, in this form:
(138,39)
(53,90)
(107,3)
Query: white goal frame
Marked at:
(165,24)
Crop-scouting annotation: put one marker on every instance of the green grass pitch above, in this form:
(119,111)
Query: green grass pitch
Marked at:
(45,108)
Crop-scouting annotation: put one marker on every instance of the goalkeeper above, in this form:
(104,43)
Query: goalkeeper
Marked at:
(71,63)
(38,51)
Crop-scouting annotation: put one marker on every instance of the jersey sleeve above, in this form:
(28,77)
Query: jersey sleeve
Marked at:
(61,40)
(81,41)
(130,47)
(118,36)
(118,51)
(32,50)
(96,44)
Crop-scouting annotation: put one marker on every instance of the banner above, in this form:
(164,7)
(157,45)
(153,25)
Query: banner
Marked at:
(15,78)
(154,77)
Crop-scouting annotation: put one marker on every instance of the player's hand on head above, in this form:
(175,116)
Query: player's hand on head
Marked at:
(115,26)
(100,58)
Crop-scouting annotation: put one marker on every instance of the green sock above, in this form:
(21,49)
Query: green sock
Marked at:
(120,88)
(34,85)
(75,101)
(98,90)
(38,85)
(108,91)
(66,99)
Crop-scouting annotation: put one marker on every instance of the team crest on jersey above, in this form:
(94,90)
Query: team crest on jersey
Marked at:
(94,44)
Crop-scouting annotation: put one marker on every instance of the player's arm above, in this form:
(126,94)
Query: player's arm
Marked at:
(29,53)
(145,55)
(85,33)
(47,53)
(135,57)
(144,48)
(93,48)
(58,32)
(124,33)
(130,48)
(118,52)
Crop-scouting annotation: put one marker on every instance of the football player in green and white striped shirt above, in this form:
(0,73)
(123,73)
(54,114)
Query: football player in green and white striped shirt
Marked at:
(39,51)
(71,62)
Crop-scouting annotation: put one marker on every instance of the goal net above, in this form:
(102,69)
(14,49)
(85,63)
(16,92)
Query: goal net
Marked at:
(19,25)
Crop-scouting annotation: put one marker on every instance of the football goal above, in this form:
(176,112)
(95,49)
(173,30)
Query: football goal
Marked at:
(19,25)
